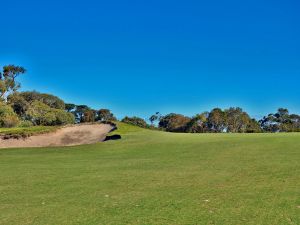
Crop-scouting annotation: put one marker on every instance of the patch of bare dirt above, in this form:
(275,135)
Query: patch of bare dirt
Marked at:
(67,136)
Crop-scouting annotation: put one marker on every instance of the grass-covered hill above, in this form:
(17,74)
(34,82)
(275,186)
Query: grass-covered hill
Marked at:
(152,177)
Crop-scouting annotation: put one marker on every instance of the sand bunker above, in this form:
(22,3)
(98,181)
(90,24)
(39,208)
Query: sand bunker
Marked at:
(67,136)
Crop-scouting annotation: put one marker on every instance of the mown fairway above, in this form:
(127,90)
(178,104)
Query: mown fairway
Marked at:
(152,177)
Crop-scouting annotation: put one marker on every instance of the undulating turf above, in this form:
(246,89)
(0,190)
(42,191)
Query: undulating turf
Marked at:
(151,177)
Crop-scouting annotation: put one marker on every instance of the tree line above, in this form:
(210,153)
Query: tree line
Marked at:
(31,108)
(231,120)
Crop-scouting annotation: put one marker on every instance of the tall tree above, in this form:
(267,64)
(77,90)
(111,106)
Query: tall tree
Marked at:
(155,117)
(88,116)
(79,112)
(8,83)
(69,107)
(217,120)
(253,127)
(281,121)
(174,122)
(105,115)
(198,124)
(237,120)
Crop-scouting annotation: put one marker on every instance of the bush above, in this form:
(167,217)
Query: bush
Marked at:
(62,117)
(105,115)
(10,121)
(25,123)
(8,118)
(174,122)
(41,114)
(18,103)
(48,99)
(135,121)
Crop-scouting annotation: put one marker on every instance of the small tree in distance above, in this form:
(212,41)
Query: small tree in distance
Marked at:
(105,115)
(156,117)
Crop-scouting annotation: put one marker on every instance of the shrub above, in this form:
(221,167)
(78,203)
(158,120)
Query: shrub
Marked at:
(8,118)
(48,99)
(41,114)
(18,103)
(105,115)
(135,121)
(88,116)
(174,122)
(62,117)
(25,123)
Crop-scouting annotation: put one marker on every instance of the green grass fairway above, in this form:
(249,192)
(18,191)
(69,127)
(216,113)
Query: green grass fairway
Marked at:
(152,177)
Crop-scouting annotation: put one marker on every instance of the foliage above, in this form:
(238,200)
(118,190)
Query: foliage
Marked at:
(8,118)
(88,116)
(237,120)
(105,115)
(62,117)
(216,120)
(79,112)
(253,126)
(174,122)
(281,121)
(8,83)
(41,114)
(198,124)
(18,103)
(25,123)
(69,107)
(155,117)
(135,121)
(48,99)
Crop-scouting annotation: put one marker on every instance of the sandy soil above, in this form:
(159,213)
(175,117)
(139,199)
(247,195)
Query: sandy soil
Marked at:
(67,136)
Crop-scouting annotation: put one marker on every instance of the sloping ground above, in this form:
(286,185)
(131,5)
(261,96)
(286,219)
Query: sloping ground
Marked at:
(67,136)
(155,178)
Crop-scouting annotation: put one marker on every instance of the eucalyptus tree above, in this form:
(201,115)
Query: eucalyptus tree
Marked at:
(8,82)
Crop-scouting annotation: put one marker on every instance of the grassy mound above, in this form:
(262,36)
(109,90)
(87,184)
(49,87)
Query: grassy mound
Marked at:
(23,132)
(152,177)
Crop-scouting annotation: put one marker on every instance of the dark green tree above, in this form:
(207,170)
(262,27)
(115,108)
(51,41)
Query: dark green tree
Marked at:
(154,117)
(69,107)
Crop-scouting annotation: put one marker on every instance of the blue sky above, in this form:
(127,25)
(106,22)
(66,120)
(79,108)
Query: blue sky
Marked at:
(140,57)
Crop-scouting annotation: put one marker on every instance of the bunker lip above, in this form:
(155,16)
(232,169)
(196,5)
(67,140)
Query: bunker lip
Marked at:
(65,136)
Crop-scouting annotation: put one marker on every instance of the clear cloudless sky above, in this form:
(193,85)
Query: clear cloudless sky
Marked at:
(140,57)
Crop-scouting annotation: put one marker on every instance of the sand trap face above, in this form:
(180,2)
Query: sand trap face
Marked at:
(67,136)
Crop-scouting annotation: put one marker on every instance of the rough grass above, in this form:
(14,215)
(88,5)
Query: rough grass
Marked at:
(23,132)
(151,177)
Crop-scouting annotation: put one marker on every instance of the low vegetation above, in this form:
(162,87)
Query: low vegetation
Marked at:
(23,132)
(153,177)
